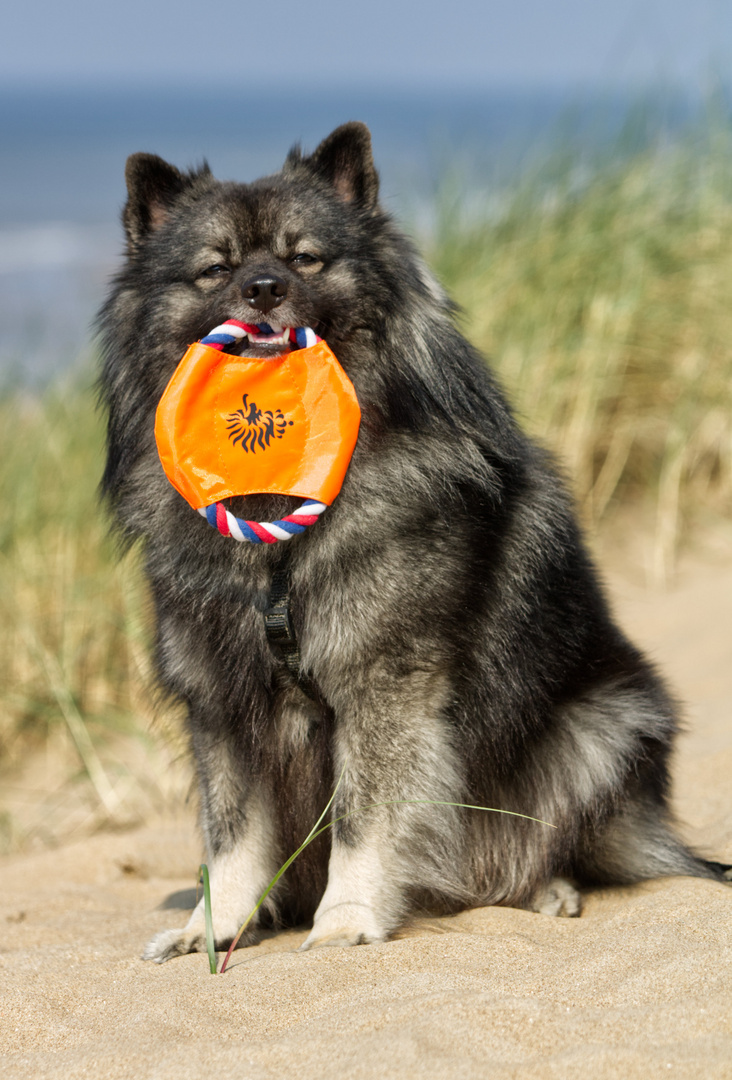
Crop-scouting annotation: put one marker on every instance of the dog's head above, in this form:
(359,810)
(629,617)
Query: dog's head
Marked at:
(308,246)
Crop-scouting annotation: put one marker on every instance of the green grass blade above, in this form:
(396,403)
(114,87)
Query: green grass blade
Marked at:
(439,802)
(210,943)
(285,866)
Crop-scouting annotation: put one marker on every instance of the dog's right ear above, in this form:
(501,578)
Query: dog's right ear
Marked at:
(152,188)
(344,160)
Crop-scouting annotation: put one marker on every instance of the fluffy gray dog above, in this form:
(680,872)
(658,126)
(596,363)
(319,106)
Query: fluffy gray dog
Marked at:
(454,642)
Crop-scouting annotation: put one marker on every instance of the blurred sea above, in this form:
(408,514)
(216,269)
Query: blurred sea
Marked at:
(62,155)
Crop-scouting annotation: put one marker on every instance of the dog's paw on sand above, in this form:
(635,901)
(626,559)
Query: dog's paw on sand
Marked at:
(560,898)
(170,943)
(345,924)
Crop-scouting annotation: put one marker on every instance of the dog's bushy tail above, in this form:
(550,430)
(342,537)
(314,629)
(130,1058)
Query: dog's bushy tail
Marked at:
(722,871)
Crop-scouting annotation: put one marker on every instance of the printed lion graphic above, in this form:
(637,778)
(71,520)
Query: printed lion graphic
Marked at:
(252,427)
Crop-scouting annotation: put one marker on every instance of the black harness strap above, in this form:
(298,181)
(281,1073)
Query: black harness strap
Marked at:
(279,628)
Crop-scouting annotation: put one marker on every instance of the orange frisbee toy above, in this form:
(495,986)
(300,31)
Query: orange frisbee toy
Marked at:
(233,425)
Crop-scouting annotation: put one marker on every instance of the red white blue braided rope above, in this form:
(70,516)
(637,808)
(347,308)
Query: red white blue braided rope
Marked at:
(260,532)
(232,331)
(263,532)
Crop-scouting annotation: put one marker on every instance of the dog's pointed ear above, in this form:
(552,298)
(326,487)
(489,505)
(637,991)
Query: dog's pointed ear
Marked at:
(344,159)
(152,188)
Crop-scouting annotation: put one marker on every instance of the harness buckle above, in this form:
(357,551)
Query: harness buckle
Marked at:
(278,626)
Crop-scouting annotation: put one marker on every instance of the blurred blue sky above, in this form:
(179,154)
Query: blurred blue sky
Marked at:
(311,43)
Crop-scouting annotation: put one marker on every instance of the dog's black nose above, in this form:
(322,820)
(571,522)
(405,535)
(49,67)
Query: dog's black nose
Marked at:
(264,292)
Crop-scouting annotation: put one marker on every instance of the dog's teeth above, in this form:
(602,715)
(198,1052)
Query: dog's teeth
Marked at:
(282,338)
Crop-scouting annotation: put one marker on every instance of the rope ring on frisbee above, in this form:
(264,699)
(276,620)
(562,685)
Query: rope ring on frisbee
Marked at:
(260,532)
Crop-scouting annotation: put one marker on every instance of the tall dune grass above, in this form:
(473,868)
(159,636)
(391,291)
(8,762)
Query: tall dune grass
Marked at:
(74,668)
(604,300)
(603,297)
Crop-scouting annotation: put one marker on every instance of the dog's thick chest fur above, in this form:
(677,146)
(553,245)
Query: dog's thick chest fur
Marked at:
(447,612)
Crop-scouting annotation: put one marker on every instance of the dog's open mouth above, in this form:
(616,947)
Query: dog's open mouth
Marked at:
(263,334)
(261,341)
(264,340)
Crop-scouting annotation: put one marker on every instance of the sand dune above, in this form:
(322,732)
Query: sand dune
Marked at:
(640,986)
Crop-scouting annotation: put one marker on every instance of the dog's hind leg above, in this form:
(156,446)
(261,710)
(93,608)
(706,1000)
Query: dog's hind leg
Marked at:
(558,897)
(242,853)
(393,750)
(608,788)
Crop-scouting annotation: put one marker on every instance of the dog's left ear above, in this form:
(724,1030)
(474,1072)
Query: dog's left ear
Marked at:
(153,187)
(344,159)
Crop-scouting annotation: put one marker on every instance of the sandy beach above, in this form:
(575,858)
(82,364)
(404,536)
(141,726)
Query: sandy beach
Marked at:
(640,986)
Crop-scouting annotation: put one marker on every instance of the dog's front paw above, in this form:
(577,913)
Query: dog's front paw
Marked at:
(169,943)
(345,924)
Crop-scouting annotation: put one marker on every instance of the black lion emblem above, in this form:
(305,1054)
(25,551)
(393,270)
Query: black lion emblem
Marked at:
(252,427)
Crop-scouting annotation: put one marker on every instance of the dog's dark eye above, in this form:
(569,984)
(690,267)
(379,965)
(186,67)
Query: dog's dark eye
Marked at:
(217,270)
(304,258)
